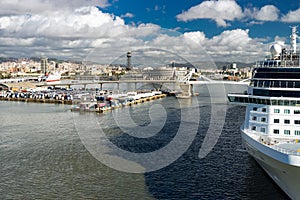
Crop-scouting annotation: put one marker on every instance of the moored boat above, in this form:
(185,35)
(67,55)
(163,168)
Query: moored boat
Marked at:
(53,78)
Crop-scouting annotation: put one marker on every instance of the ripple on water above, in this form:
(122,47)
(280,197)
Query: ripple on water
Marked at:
(42,157)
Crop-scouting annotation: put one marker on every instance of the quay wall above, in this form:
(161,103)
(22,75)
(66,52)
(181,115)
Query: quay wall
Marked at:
(69,102)
(52,101)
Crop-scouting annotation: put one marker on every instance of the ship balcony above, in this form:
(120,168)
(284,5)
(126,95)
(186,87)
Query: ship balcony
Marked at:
(286,84)
(243,99)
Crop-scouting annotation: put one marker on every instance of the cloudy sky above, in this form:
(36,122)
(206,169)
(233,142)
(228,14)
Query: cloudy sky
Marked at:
(224,30)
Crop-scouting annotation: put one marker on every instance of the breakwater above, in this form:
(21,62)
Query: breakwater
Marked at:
(105,102)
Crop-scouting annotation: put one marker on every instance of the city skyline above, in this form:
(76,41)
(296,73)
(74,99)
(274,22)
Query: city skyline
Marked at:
(104,30)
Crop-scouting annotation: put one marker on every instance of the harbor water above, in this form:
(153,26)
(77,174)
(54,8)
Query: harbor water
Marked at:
(42,156)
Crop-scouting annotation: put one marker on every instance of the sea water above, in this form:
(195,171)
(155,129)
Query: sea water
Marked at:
(43,155)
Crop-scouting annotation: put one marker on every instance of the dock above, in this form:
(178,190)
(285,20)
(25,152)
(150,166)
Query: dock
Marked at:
(31,100)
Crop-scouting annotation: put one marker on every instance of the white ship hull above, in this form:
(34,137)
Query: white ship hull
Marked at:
(287,176)
(53,78)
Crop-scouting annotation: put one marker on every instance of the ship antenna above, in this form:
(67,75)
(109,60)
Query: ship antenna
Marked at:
(294,37)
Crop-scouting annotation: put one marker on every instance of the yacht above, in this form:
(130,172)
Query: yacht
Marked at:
(271,131)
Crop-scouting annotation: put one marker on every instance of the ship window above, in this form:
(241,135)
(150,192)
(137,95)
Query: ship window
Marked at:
(276,131)
(276,111)
(264,110)
(297,121)
(263,130)
(293,103)
(255,109)
(263,119)
(255,101)
(287,132)
(276,93)
(231,99)
(255,83)
(286,111)
(283,84)
(286,102)
(259,101)
(297,84)
(267,84)
(254,118)
(297,132)
(290,84)
(253,128)
(280,102)
(296,111)
(287,121)
(276,121)
(274,102)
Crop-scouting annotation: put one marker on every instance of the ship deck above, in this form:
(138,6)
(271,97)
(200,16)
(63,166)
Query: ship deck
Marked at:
(290,146)
(286,146)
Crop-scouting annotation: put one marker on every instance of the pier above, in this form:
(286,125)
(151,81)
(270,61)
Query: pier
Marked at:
(70,98)
(53,101)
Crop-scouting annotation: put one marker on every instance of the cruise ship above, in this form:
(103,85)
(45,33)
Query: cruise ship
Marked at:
(271,131)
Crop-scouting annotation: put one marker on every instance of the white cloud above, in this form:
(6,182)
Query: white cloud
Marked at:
(267,13)
(15,7)
(83,22)
(292,16)
(220,11)
(59,34)
(87,33)
(231,40)
(224,11)
(197,36)
(127,15)
(235,45)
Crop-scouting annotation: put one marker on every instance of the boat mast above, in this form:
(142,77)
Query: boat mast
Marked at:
(294,37)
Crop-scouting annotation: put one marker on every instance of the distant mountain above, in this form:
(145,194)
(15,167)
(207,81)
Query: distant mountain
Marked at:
(37,59)
(2,59)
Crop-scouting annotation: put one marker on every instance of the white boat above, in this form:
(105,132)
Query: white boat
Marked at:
(271,131)
(53,77)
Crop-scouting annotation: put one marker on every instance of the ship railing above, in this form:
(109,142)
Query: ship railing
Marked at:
(278,63)
(285,151)
(273,144)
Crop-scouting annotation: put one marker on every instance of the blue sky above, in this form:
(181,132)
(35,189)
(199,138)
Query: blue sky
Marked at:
(225,30)
(164,12)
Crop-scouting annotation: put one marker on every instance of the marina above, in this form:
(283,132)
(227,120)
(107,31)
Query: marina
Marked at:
(83,101)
